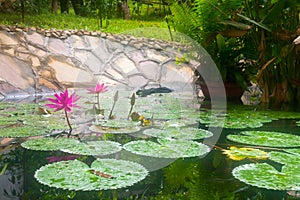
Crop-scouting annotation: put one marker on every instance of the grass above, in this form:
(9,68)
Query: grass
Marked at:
(73,22)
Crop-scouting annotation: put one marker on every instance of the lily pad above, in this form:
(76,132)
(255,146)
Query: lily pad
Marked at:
(166,148)
(103,174)
(244,117)
(116,126)
(290,158)
(93,148)
(22,131)
(236,153)
(49,143)
(184,133)
(264,175)
(266,138)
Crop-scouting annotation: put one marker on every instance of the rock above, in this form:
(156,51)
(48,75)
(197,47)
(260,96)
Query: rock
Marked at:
(34,60)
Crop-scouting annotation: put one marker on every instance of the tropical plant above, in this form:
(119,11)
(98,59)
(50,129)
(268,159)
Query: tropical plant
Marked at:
(215,25)
(263,32)
(275,28)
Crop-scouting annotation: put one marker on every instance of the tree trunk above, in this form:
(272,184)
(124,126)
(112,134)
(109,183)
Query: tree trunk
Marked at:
(23,10)
(126,10)
(54,6)
(64,7)
(78,7)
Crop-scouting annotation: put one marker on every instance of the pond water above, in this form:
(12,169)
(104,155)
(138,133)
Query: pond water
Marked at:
(208,176)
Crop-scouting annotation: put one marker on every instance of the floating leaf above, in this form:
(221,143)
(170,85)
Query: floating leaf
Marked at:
(265,138)
(236,153)
(244,117)
(93,148)
(167,148)
(116,126)
(49,143)
(22,131)
(291,158)
(184,133)
(264,175)
(76,175)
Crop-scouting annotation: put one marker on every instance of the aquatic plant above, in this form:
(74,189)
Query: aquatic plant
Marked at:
(98,89)
(167,148)
(235,153)
(64,102)
(103,174)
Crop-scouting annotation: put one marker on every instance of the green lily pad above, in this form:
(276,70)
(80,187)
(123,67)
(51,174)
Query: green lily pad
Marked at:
(264,175)
(93,148)
(118,123)
(116,126)
(167,148)
(184,133)
(290,158)
(236,153)
(244,117)
(49,143)
(103,174)
(22,131)
(52,122)
(265,138)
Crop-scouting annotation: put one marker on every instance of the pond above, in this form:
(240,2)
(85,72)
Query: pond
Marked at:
(153,147)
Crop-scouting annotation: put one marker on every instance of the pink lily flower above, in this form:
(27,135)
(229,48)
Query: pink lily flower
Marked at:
(100,88)
(65,102)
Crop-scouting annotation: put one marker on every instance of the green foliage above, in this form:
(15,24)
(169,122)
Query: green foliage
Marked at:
(49,143)
(244,117)
(266,138)
(184,133)
(72,22)
(103,174)
(166,148)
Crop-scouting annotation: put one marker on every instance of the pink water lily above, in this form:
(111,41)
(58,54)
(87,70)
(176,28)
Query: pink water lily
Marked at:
(99,88)
(65,102)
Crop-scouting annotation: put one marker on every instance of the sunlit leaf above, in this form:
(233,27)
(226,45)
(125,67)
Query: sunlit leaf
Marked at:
(236,153)
(76,175)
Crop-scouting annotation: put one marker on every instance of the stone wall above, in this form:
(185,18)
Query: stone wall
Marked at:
(36,61)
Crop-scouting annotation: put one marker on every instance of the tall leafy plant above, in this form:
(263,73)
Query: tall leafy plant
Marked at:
(275,25)
(216,25)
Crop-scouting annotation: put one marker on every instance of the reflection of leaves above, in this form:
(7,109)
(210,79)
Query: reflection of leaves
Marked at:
(266,138)
(76,175)
(235,153)
(167,148)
